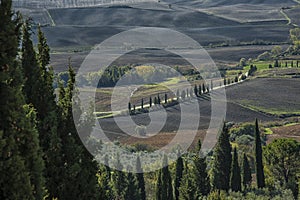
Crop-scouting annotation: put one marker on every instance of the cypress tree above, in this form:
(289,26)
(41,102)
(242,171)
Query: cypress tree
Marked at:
(104,177)
(30,67)
(158,191)
(155,101)
(118,179)
(177,94)
(164,186)
(140,179)
(166,98)
(211,85)
(201,177)
(158,100)
(260,176)
(247,178)
(235,178)
(150,101)
(203,88)
(16,126)
(191,92)
(196,90)
(178,176)
(187,189)
(142,104)
(200,90)
(31,149)
(78,179)
(132,191)
(44,100)
(222,161)
(129,107)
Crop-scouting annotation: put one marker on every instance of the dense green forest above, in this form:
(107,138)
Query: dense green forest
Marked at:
(42,156)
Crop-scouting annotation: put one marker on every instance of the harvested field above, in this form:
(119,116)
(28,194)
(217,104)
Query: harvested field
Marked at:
(269,93)
(293,14)
(247,13)
(115,16)
(292,131)
(221,56)
(276,96)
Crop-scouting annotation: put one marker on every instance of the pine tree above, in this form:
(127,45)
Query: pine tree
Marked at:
(140,179)
(260,176)
(201,177)
(15,124)
(235,179)
(222,162)
(247,178)
(178,176)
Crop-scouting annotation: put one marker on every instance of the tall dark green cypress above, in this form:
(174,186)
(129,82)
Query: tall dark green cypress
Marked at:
(178,176)
(31,149)
(17,124)
(200,175)
(247,177)
(140,179)
(222,162)
(196,90)
(48,120)
(30,67)
(164,188)
(158,186)
(235,179)
(78,179)
(132,191)
(187,189)
(118,180)
(260,176)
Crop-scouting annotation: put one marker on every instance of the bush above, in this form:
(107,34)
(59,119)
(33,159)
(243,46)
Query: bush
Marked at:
(245,140)
(264,56)
(140,130)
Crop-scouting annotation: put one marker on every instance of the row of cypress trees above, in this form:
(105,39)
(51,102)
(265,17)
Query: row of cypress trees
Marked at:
(192,179)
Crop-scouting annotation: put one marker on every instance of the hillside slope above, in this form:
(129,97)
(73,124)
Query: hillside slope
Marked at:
(215,3)
(118,16)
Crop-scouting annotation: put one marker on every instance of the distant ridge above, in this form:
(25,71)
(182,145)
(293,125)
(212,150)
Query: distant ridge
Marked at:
(215,3)
(71,3)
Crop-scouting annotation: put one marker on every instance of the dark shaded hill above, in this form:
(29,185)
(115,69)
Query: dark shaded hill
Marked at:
(214,3)
(118,16)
